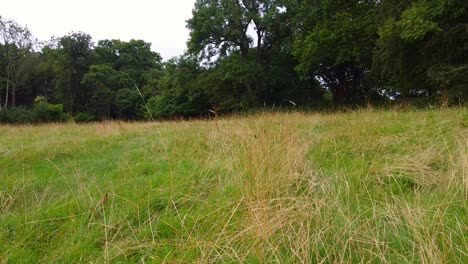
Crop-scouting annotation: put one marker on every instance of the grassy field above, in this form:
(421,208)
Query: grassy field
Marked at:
(365,186)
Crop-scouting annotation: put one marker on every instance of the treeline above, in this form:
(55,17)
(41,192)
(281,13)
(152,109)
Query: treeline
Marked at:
(245,54)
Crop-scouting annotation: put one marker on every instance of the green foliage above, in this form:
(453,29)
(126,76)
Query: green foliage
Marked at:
(220,30)
(224,85)
(163,106)
(179,93)
(101,103)
(336,44)
(85,118)
(218,26)
(101,76)
(423,46)
(102,80)
(46,113)
(16,42)
(250,54)
(452,80)
(119,65)
(17,115)
(74,59)
(131,62)
(41,112)
(127,104)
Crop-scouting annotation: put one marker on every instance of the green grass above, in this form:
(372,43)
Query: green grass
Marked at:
(365,186)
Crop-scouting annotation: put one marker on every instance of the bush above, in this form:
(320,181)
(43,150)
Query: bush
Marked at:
(17,115)
(42,112)
(45,112)
(85,118)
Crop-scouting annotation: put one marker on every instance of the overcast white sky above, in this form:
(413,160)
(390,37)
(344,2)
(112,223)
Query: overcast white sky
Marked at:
(161,22)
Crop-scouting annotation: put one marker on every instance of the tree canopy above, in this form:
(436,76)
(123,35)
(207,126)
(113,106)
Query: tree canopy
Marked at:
(244,54)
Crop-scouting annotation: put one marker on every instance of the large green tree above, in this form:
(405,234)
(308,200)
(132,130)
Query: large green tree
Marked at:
(133,60)
(75,53)
(119,69)
(423,46)
(49,68)
(334,43)
(220,28)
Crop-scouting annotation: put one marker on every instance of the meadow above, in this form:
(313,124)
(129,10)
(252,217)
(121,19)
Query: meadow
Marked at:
(347,187)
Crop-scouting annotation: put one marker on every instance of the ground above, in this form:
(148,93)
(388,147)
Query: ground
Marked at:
(363,186)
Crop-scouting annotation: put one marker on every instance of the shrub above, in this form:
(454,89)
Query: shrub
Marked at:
(41,112)
(45,112)
(85,118)
(17,115)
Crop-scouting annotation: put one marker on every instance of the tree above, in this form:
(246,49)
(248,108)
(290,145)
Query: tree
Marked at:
(29,81)
(3,76)
(74,59)
(102,81)
(127,104)
(334,43)
(118,67)
(16,43)
(220,28)
(49,68)
(423,46)
(179,93)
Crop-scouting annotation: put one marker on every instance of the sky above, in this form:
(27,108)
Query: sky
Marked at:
(160,22)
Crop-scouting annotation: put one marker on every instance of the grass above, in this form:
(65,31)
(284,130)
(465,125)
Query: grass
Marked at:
(365,186)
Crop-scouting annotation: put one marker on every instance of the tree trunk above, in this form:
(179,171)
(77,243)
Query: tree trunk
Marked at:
(259,46)
(7,92)
(445,97)
(13,95)
(339,92)
(46,88)
(244,52)
(248,87)
(245,56)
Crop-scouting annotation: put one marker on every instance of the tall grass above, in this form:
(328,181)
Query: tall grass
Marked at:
(364,186)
